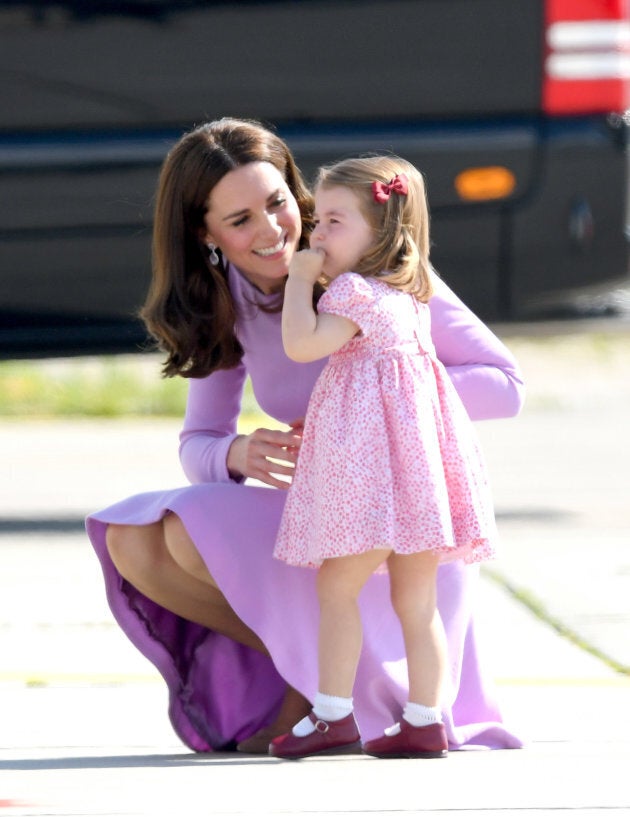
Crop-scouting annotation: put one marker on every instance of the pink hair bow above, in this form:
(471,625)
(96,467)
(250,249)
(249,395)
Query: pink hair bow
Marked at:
(382,192)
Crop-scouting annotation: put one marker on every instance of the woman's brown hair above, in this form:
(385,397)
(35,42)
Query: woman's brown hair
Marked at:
(189,309)
(400,255)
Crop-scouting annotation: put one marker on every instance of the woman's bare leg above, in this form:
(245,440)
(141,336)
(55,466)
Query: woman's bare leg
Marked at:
(184,586)
(294,707)
(141,556)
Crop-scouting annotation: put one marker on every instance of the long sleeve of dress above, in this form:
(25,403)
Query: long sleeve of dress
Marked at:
(212,411)
(483,371)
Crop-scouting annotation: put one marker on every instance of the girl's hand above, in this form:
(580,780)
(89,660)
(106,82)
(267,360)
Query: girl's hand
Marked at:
(307,265)
(266,455)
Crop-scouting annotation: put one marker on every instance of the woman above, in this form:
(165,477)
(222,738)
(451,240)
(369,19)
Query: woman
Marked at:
(189,572)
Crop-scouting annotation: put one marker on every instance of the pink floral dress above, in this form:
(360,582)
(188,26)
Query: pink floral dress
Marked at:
(390,458)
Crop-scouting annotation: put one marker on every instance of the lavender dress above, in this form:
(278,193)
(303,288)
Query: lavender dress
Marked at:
(221,692)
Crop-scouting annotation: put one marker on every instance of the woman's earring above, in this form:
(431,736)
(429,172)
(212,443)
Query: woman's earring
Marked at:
(214,258)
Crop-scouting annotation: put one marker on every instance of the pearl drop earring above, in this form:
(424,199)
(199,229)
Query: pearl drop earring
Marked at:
(214,258)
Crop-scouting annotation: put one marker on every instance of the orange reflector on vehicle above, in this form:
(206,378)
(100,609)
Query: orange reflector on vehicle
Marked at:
(485,183)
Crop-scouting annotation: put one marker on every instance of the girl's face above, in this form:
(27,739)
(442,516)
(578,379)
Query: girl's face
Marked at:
(342,232)
(255,221)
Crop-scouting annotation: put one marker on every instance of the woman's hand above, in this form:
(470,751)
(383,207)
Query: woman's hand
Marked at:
(266,455)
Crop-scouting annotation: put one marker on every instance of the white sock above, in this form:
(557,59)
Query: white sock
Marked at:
(419,715)
(331,707)
(416,715)
(328,708)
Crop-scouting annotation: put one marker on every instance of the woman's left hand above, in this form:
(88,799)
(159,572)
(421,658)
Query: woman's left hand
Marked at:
(267,455)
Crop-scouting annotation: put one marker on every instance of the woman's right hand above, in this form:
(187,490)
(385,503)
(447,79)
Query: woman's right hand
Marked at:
(266,455)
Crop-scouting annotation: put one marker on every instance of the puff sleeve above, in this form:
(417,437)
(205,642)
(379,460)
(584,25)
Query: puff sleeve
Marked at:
(350,296)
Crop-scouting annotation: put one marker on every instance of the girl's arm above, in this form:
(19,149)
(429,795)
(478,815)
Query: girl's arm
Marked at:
(482,369)
(307,336)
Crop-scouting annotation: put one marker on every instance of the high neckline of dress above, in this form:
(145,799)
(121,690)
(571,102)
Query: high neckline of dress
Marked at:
(249,288)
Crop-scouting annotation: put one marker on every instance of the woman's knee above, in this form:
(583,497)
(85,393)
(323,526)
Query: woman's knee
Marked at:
(116,539)
(134,549)
(183,550)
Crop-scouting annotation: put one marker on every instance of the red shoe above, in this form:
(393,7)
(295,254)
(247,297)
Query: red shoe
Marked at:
(411,741)
(334,738)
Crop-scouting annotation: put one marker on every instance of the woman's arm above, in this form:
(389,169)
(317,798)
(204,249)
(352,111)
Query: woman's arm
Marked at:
(483,371)
(210,448)
(212,410)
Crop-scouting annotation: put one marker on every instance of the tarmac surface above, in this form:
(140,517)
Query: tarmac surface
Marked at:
(83,725)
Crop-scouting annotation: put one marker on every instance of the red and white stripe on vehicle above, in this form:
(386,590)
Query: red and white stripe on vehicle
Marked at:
(587,56)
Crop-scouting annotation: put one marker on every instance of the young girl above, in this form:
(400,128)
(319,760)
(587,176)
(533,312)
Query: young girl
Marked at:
(390,476)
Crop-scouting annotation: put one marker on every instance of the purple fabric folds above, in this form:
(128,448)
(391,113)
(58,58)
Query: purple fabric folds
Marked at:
(221,692)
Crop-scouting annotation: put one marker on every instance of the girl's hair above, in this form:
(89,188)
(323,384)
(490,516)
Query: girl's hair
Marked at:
(189,309)
(400,254)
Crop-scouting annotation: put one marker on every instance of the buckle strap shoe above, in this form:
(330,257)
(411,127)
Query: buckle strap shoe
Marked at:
(329,738)
(411,741)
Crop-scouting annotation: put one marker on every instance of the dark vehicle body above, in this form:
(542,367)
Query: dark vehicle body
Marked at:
(528,200)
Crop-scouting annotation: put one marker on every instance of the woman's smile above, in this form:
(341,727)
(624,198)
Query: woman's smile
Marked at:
(268,251)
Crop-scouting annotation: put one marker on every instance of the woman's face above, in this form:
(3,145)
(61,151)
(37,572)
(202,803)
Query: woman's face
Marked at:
(255,221)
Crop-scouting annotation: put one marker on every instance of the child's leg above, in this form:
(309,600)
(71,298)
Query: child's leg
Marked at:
(414,598)
(420,732)
(339,582)
(331,728)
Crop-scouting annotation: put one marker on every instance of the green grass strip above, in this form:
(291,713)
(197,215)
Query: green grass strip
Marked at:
(536,606)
